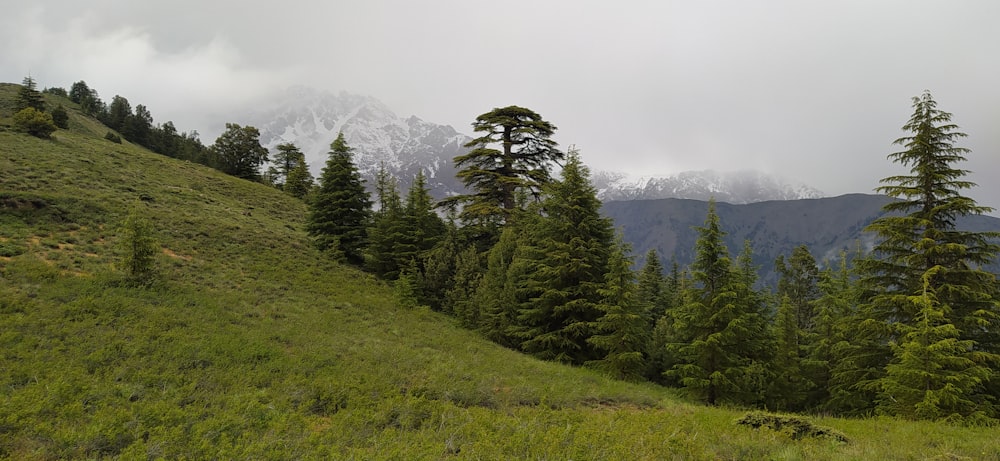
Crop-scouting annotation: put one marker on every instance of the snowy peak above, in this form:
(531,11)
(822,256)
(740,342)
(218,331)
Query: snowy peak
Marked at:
(312,119)
(737,187)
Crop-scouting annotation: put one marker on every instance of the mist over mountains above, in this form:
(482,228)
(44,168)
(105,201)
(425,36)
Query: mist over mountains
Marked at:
(312,119)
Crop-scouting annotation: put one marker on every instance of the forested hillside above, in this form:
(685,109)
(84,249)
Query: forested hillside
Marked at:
(254,329)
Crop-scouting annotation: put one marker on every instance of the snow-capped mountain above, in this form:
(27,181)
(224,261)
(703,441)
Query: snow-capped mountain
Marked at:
(312,119)
(738,187)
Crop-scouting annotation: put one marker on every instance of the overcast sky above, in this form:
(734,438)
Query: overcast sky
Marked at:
(812,91)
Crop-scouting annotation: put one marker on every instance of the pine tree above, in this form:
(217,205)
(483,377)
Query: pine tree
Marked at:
(459,296)
(834,310)
(788,390)
(721,340)
(919,234)
(286,159)
(299,181)
(798,280)
(60,117)
(622,332)
(339,212)
(497,176)
(570,262)
(137,248)
(29,96)
(501,289)
(934,374)
(650,289)
(439,268)
(388,230)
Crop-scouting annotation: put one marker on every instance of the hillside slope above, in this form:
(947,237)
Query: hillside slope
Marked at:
(253,346)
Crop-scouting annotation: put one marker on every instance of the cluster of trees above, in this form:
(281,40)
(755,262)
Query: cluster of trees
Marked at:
(236,152)
(30,114)
(911,329)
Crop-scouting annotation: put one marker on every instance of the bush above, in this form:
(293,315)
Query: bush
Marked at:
(34,122)
(137,248)
(113,137)
(60,117)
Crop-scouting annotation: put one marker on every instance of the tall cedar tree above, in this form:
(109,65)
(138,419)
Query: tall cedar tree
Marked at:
(341,208)
(238,151)
(918,239)
(29,96)
(622,332)
(570,263)
(720,337)
(513,155)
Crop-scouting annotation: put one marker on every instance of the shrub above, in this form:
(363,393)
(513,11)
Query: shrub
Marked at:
(794,426)
(113,137)
(34,122)
(60,117)
(137,249)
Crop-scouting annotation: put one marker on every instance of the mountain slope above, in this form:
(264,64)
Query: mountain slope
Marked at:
(737,187)
(253,346)
(827,226)
(312,119)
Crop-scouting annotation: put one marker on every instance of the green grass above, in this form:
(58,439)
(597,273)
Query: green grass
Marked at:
(252,346)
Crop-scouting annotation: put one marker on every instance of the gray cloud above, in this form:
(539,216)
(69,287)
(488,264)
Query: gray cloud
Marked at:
(813,92)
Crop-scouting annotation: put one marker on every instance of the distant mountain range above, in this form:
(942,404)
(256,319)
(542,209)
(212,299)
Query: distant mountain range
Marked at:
(312,119)
(827,226)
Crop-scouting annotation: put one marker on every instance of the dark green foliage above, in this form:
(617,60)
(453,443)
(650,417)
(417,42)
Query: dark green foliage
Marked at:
(793,426)
(111,136)
(56,91)
(291,173)
(60,117)
(460,290)
(238,151)
(28,96)
(388,230)
(568,266)
(798,290)
(341,208)
(920,251)
(34,122)
(934,374)
(501,290)
(650,290)
(137,248)
(138,127)
(622,333)
(721,341)
(118,112)
(497,175)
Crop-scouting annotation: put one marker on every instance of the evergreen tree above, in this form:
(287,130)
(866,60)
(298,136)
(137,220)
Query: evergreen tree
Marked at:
(934,374)
(501,289)
(570,263)
(834,312)
(798,279)
(459,295)
(139,126)
(789,389)
(299,181)
(60,117)
(137,248)
(79,91)
(388,230)
(339,212)
(497,175)
(118,112)
(650,290)
(721,337)
(622,332)
(439,268)
(286,159)
(919,234)
(238,151)
(28,96)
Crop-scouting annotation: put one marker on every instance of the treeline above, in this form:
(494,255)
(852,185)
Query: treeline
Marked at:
(237,151)
(911,329)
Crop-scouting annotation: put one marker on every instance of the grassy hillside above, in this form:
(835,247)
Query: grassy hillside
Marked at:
(253,346)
